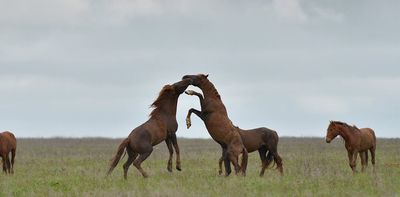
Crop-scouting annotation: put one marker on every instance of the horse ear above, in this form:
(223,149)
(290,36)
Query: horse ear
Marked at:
(206,75)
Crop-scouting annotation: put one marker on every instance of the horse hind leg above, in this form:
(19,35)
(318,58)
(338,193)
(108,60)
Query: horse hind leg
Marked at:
(278,161)
(8,164)
(138,161)
(13,151)
(264,160)
(177,151)
(3,158)
(227,162)
(131,157)
(220,164)
(171,152)
(234,158)
(363,159)
(372,150)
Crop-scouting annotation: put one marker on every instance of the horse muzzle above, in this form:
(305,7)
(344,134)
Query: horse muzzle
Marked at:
(328,140)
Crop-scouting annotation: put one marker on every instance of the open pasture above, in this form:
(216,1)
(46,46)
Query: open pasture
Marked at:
(77,167)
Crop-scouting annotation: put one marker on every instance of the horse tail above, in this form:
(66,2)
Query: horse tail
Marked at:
(117,157)
(270,158)
(245,157)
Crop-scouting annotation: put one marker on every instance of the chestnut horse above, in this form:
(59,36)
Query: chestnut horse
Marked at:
(262,139)
(356,141)
(8,144)
(161,126)
(218,124)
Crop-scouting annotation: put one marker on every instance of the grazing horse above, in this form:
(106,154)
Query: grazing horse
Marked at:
(356,141)
(161,126)
(218,124)
(262,139)
(8,144)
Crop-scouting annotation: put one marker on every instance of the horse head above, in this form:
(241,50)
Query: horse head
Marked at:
(196,79)
(332,132)
(181,86)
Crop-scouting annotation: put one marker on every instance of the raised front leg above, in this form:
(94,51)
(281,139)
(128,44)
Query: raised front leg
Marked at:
(195,111)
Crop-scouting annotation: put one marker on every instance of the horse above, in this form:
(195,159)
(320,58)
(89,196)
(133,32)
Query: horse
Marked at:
(218,124)
(8,144)
(161,126)
(356,141)
(262,139)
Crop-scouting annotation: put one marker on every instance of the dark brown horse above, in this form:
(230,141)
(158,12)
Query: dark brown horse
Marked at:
(262,139)
(356,141)
(161,126)
(219,126)
(8,144)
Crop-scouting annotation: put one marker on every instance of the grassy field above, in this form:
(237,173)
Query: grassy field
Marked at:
(77,167)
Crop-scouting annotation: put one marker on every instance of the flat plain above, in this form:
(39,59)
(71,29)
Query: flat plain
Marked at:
(77,167)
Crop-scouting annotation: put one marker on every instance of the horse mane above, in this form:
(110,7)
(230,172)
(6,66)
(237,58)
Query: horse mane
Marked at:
(353,128)
(212,87)
(164,93)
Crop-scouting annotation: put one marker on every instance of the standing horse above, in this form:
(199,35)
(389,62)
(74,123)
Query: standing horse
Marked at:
(218,124)
(8,144)
(161,126)
(356,141)
(262,139)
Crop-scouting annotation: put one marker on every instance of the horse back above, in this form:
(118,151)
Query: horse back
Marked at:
(7,141)
(368,137)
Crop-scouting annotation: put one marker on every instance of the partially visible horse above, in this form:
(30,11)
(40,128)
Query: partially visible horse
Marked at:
(262,139)
(356,141)
(8,144)
(218,124)
(161,126)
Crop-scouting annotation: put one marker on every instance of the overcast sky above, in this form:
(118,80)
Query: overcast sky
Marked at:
(78,68)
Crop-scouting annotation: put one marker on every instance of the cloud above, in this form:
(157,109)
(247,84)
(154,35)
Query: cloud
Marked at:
(290,10)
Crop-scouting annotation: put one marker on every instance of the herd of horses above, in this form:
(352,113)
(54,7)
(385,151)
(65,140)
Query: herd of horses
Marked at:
(234,141)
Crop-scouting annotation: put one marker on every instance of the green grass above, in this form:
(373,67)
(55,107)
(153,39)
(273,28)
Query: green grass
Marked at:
(77,167)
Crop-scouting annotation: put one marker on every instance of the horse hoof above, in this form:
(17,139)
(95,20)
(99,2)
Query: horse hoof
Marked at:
(178,168)
(189,92)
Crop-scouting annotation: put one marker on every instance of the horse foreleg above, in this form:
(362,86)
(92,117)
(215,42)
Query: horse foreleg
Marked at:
(178,155)
(352,160)
(195,111)
(171,152)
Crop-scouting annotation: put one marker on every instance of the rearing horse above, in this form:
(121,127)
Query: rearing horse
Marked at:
(218,124)
(262,139)
(8,144)
(161,126)
(356,141)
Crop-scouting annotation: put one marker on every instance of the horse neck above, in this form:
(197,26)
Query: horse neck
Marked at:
(167,108)
(209,90)
(346,133)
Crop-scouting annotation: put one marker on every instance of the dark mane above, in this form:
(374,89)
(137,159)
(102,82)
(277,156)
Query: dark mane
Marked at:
(164,93)
(352,128)
(211,86)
